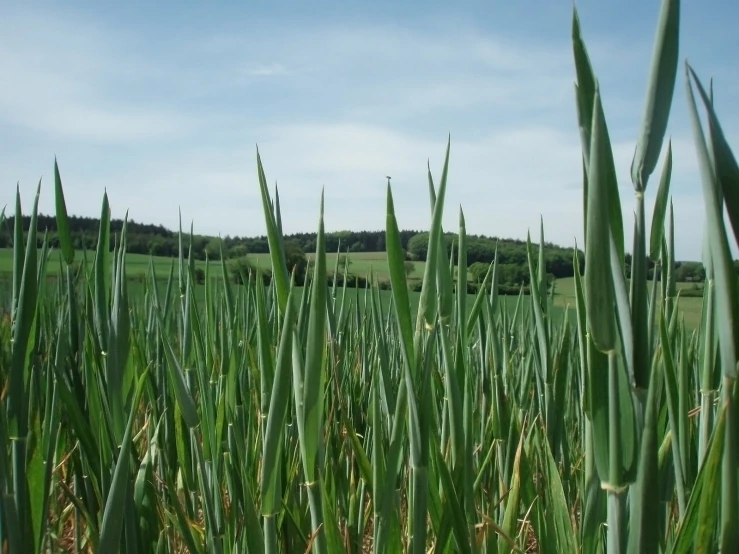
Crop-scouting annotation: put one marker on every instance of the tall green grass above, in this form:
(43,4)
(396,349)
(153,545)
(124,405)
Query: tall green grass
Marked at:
(277,419)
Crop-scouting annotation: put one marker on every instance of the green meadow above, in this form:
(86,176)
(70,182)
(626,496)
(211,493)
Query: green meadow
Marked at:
(361,264)
(158,405)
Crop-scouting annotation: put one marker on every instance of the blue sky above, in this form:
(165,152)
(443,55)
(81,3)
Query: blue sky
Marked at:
(164,106)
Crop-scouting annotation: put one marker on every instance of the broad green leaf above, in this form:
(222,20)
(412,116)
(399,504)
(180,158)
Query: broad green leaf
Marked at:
(660,207)
(398,280)
(556,503)
(696,531)
(62,221)
(585,90)
(723,267)
(598,280)
(452,504)
(110,529)
(277,414)
(659,94)
(644,494)
(274,237)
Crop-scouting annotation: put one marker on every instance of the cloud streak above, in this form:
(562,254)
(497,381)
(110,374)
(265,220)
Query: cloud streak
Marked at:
(168,122)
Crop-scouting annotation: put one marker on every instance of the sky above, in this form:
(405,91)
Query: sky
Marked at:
(164,105)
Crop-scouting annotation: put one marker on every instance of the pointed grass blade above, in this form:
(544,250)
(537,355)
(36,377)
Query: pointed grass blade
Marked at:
(112,524)
(644,521)
(722,264)
(277,415)
(660,207)
(586,90)
(313,391)
(274,238)
(398,281)
(696,531)
(660,90)
(598,280)
(724,161)
(62,221)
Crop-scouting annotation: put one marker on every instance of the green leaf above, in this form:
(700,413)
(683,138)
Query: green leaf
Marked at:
(398,281)
(102,276)
(585,91)
(274,238)
(696,531)
(363,463)
(110,529)
(659,94)
(644,515)
(671,387)
(62,222)
(459,524)
(556,506)
(598,280)
(724,161)
(723,266)
(313,391)
(277,414)
(660,207)
(182,394)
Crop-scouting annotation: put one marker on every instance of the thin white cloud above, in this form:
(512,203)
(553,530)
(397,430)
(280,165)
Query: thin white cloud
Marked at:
(163,128)
(65,81)
(267,70)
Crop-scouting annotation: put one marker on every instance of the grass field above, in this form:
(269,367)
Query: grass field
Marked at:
(690,306)
(360,264)
(137,266)
(137,269)
(153,417)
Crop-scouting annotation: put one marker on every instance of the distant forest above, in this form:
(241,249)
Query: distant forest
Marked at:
(160,241)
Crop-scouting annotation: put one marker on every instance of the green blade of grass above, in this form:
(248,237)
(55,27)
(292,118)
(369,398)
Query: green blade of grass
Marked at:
(660,207)
(274,238)
(726,297)
(407,395)
(312,389)
(696,531)
(62,221)
(277,414)
(659,94)
(643,517)
(24,321)
(102,276)
(598,280)
(110,528)
(586,90)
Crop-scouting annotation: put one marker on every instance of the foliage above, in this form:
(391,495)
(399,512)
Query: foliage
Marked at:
(281,419)
(409,267)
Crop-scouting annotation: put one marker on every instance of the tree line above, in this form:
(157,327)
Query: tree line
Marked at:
(157,240)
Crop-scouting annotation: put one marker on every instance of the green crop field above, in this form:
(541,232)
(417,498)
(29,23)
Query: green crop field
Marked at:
(360,263)
(689,307)
(143,413)
(136,264)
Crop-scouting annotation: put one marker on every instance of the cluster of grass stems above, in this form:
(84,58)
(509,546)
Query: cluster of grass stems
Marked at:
(283,419)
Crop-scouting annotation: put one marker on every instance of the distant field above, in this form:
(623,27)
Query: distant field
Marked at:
(691,307)
(360,264)
(136,264)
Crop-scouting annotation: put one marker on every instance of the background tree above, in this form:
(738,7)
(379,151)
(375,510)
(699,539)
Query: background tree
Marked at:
(409,267)
(296,259)
(344,263)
